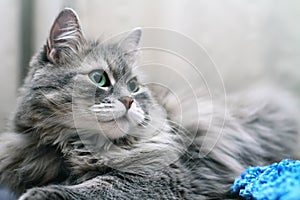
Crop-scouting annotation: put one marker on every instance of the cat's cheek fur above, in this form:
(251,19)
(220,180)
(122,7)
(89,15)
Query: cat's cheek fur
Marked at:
(135,114)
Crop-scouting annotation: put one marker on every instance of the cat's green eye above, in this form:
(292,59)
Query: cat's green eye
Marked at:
(133,85)
(100,78)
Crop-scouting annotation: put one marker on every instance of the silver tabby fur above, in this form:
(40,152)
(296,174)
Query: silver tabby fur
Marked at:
(54,150)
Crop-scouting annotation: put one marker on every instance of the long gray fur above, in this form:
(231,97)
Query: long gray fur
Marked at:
(54,150)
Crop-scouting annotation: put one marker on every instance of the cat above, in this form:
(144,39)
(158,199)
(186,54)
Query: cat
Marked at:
(86,127)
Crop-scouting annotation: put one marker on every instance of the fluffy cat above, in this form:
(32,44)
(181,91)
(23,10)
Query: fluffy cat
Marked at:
(86,127)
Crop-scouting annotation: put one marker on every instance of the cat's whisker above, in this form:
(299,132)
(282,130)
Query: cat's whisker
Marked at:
(102,105)
(179,128)
(102,110)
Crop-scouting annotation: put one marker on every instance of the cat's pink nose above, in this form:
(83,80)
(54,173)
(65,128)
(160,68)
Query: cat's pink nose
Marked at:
(127,101)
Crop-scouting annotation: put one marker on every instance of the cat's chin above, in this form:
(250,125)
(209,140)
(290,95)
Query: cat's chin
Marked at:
(122,126)
(116,128)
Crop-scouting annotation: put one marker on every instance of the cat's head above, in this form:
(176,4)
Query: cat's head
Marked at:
(87,86)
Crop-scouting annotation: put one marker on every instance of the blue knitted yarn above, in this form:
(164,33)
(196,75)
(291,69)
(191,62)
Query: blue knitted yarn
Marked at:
(280,181)
(5,194)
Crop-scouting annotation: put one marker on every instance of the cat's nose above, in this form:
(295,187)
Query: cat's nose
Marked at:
(127,101)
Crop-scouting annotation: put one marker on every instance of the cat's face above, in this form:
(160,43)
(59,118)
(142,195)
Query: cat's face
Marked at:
(107,91)
(89,86)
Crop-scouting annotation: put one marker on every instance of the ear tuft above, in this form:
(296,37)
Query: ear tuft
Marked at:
(132,40)
(65,35)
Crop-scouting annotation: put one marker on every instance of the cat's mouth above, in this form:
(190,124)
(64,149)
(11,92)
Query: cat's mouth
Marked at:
(123,126)
(115,114)
(116,121)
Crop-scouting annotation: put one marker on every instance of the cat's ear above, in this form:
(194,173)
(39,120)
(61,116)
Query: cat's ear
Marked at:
(65,36)
(130,43)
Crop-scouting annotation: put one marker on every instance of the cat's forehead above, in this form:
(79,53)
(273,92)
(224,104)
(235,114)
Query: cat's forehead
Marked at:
(108,59)
(90,63)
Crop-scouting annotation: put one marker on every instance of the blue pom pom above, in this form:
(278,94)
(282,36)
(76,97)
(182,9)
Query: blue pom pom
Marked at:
(279,181)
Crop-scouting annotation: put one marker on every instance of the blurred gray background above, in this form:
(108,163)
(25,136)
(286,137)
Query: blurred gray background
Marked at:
(248,40)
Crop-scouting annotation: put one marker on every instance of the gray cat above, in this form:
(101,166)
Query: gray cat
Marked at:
(86,127)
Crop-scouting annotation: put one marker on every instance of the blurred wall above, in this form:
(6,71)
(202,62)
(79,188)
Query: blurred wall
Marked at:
(9,57)
(248,40)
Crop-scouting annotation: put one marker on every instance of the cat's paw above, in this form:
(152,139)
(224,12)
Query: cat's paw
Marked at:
(46,193)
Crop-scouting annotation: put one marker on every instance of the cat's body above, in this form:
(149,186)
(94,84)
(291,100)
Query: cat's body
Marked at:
(57,150)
